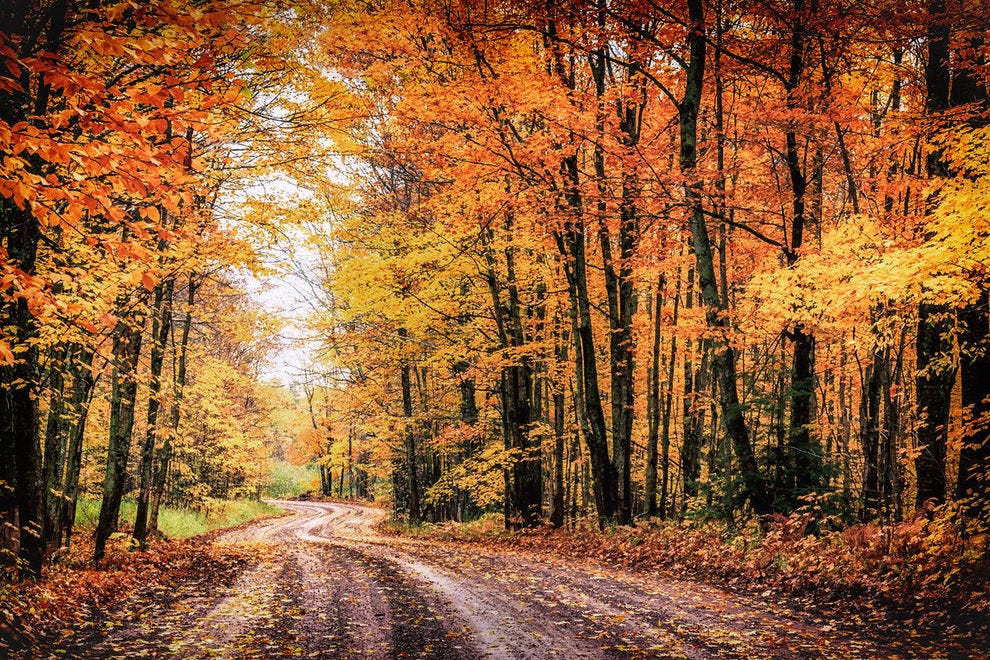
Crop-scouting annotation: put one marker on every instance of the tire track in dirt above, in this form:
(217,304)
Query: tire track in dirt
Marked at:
(321,582)
(523,607)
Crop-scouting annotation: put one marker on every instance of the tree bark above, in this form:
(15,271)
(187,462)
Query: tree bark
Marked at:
(870,431)
(21,497)
(123,398)
(160,327)
(571,243)
(558,503)
(802,469)
(175,414)
(409,437)
(83,383)
(56,439)
(693,414)
(653,405)
(936,373)
(973,485)
(754,485)
(527,471)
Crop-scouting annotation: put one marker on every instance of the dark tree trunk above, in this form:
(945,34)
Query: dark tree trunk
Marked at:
(668,410)
(973,482)
(83,382)
(693,420)
(558,503)
(56,438)
(724,362)
(973,485)
(524,479)
(409,439)
(933,384)
(891,479)
(870,432)
(527,470)
(571,244)
(519,407)
(802,457)
(160,327)
(20,454)
(469,406)
(570,241)
(175,415)
(653,405)
(21,497)
(622,300)
(123,398)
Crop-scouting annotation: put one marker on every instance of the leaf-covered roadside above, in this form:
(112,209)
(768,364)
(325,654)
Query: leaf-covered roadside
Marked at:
(922,578)
(75,598)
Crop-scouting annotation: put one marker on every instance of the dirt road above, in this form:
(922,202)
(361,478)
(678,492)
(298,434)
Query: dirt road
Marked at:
(324,584)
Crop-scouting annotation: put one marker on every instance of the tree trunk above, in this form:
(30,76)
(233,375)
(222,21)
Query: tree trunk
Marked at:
(21,501)
(175,414)
(802,458)
(973,485)
(83,383)
(527,471)
(160,327)
(653,404)
(571,244)
(21,496)
(693,414)
(724,363)
(123,398)
(409,438)
(56,438)
(870,432)
(936,374)
(570,241)
(558,504)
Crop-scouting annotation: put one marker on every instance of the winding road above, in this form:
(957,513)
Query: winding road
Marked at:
(325,584)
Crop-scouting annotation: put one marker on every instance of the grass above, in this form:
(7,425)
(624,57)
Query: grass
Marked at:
(288,480)
(183,523)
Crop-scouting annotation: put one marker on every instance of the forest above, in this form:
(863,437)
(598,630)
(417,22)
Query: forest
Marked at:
(713,267)
(626,261)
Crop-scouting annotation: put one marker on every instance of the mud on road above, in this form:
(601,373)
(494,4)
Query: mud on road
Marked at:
(323,583)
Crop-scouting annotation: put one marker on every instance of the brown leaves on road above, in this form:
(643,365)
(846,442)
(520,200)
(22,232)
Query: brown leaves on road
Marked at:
(324,583)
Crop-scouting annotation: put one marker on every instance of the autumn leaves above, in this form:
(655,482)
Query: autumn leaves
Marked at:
(530,173)
(602,258)
(116,121)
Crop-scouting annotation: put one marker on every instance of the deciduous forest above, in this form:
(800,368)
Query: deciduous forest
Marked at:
(696,286)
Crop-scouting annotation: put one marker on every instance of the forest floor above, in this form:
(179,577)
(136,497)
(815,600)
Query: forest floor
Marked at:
(322,582)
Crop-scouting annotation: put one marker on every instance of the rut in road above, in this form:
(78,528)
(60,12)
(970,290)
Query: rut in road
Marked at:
(324,584)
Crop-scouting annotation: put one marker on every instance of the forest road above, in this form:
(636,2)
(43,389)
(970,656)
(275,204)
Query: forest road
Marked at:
(325,584)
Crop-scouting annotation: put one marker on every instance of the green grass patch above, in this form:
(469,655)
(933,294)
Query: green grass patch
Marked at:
(183,523)
(287,480)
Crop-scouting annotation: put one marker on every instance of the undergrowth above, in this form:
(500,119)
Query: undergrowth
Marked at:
(920,564)
(286,480)
(181,523)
